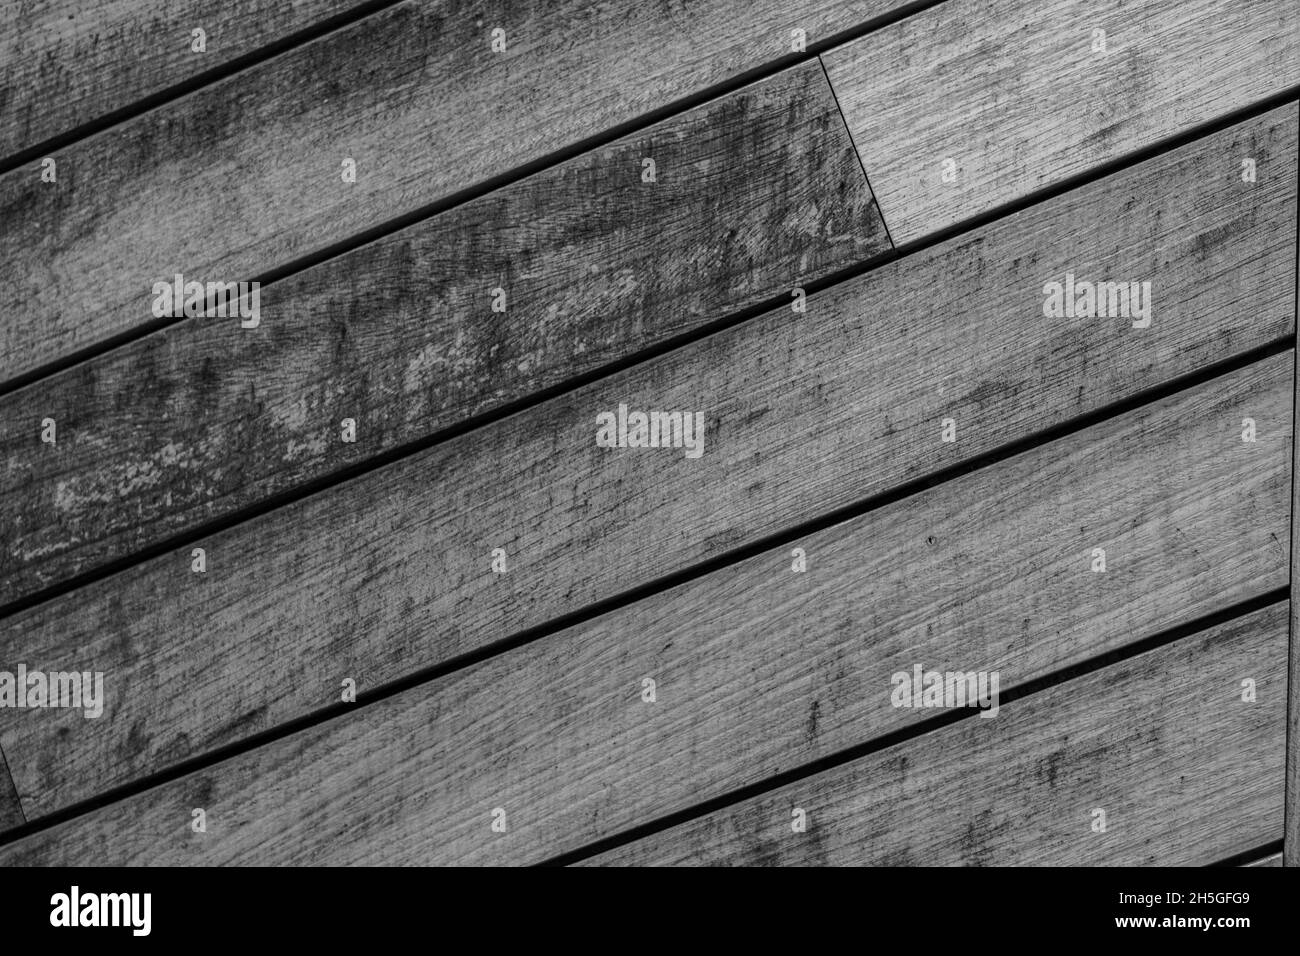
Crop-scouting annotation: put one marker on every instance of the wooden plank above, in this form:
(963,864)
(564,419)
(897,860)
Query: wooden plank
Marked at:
(1186,772)
(1273,860)
(399,335)
(1291,835)
(757,669)
(64,63)
(1016,96)
(804,414)
(246,176)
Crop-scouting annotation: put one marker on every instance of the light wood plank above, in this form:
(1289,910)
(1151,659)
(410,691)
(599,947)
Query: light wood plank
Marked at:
(199,420)
(1187,774)
(245,176)
(804,414)
(1014,94)
(757,669)
(64,63)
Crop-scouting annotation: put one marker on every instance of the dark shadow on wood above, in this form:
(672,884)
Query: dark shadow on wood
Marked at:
(11,808)
(1253,857)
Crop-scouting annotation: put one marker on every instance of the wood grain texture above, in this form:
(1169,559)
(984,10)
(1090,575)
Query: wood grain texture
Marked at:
(64,63)
(1014,94)
(1291,834)
(758,669)
(1187,773)
(760,191)
(804,414)
(244,176)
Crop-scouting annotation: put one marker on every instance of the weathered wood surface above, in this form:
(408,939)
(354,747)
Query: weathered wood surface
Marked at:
(758,192)
(757,668)
(65,63)
(1014,94)
(1186,772)
(1273,860)
(1291,836)
(245,176)
(804,414)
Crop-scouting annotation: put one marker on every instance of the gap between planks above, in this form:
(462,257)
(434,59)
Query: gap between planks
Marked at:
(848,131)
(1269,854)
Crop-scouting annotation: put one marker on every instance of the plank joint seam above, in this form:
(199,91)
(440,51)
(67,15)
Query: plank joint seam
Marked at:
(7,775)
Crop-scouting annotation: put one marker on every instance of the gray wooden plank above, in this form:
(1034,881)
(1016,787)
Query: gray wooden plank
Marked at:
(246,176)
(1186,772)
(757,669)
(804,414)
(65,63)
(1291,834)
(761,191)
(1015,95)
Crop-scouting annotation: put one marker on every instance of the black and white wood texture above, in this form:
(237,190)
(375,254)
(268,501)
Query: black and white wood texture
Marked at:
(1024,94)
(1185,771)
(67,65)
(832,229)
(759,669)
(241,179)
(390,574)
(758,193)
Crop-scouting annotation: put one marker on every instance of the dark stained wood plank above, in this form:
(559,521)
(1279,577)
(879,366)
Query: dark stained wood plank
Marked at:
(65,63)
(804,414)
(245,176)
(760,191)
(1186,772)
(757,669)
(1014,94)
